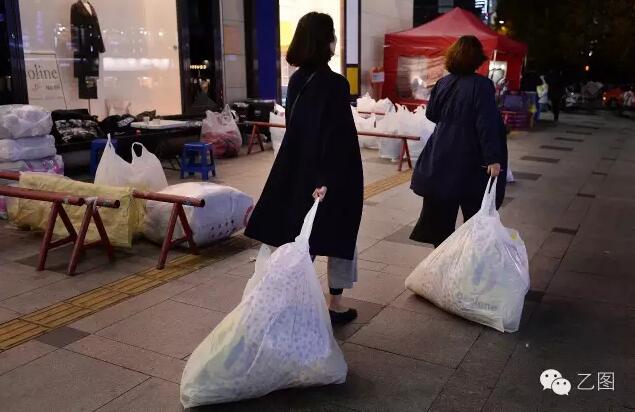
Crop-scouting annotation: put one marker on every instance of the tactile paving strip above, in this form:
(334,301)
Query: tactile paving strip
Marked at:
(388,183)
(34,324)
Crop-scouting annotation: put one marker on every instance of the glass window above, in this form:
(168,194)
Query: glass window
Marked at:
(105,55)
(290,13)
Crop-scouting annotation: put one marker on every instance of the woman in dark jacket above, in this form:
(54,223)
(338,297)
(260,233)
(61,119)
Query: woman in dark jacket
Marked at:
(468,145)
(319,153)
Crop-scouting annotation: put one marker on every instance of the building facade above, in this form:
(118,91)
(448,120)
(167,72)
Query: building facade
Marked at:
(175,56)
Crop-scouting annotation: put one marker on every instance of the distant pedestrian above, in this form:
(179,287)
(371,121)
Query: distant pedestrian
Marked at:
(319,154)
(556,92)
(468,145)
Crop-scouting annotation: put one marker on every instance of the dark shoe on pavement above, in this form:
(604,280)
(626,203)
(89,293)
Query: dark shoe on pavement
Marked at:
(343,317)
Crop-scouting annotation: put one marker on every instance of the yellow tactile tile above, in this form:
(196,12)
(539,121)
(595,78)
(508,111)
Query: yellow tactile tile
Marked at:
(57,315)
(98,298)
(18,331)
(388,183)
(133,284)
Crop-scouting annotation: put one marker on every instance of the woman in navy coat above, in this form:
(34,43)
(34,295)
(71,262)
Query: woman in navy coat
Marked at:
(468,145)
(320,155)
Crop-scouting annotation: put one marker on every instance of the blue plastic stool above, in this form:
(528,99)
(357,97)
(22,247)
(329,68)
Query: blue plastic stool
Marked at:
(206,160)
(97,147)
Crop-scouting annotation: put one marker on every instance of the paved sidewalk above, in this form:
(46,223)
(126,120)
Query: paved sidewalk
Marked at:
(573,204)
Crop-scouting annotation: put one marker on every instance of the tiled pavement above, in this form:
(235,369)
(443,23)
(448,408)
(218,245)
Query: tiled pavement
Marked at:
(573,204)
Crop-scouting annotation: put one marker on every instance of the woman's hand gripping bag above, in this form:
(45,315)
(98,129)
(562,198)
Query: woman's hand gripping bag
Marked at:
(481,272)
(279,336)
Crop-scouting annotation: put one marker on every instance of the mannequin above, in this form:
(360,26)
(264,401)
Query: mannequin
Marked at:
(87,45)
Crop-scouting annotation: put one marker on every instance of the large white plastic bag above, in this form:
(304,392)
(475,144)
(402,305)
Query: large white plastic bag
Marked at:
(226,211)
(28,148)
(279,336)
(221,130)
(112,169)
(365,125)
(383,106)
(147,172)
(277,133)
(389,148)
(23,120)
(365,103)
(510,176)
(480,272)
(415,124)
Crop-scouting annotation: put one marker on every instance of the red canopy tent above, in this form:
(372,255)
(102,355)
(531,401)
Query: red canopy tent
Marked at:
(425,46)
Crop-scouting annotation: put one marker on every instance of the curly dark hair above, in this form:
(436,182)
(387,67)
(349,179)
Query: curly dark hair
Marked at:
(465,56)
(311,41)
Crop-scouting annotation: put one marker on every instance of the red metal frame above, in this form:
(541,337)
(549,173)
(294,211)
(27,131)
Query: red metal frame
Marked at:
(57,201)
(168,242)
(255,134)
(177,213)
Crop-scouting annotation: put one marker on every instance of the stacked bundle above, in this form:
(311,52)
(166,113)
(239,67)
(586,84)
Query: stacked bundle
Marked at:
(26,143)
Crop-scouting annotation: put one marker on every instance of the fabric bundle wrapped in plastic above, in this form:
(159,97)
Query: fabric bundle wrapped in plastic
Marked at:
(279,336)
(23,120)
(53,165)
(27,148)
(226,211)
(481,272)
(221,130)
(121,224)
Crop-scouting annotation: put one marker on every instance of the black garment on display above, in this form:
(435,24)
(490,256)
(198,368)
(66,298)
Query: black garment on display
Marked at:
(87,44)
(74,126)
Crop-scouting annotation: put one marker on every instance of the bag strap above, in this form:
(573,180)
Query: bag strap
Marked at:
(300,94)
(488,205)
(134,154)
(307,226)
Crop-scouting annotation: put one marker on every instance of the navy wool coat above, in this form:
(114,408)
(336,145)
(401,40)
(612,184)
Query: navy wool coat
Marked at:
(320,148)
(469,135)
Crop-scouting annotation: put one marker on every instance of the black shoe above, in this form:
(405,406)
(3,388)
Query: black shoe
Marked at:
(343,317)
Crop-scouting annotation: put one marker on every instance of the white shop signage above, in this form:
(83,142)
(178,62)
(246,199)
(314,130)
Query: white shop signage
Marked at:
(44,80)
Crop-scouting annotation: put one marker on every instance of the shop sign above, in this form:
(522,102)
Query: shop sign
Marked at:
(44,80)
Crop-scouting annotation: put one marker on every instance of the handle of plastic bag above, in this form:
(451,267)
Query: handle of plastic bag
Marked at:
(134,154)
(488,205)
(307,226)
(109,144)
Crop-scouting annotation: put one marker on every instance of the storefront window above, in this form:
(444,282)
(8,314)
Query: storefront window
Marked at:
(106,55)
(290,13)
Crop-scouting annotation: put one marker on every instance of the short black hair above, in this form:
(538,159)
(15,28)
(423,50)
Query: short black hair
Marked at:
(465,56)
(311,41)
